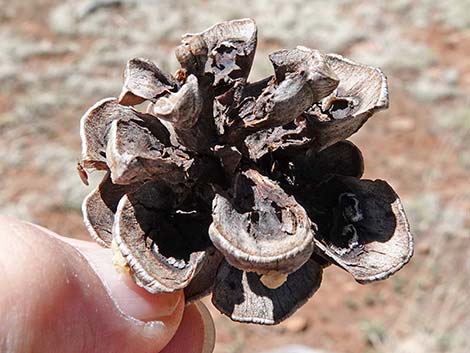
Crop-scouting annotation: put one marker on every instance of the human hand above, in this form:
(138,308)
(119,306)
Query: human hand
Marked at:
(64,295)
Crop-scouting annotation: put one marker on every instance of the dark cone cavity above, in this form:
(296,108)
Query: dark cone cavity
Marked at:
(261,228)
(164,248)
(99,208)
(243,297)
(362,227)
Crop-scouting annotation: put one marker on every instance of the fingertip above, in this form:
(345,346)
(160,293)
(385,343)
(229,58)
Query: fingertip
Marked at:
(130,299)
(76,282)
(194,327)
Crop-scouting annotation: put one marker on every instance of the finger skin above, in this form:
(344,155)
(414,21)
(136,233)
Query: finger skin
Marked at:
(51,300)
(130,299)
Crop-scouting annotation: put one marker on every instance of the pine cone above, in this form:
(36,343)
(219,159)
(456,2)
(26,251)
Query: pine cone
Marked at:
(246,190)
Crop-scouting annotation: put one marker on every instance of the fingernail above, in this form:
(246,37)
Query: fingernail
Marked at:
(209,328)
(196,332)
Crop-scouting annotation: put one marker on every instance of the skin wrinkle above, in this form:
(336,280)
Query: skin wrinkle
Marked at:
(98,262)
(131,286)
(146,330)
(89,307)
(44,315)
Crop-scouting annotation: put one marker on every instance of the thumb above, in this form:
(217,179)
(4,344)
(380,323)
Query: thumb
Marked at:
(63,295)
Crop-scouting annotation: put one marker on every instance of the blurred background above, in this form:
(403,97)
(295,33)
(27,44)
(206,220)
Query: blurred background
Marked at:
(57,58)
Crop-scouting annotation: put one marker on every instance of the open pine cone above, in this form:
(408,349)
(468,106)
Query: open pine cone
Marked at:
(246,190)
